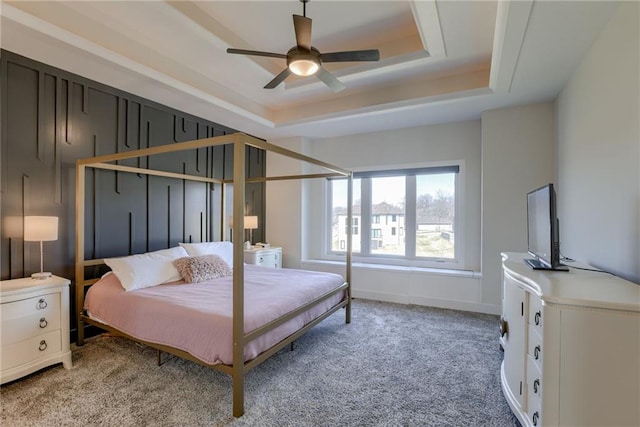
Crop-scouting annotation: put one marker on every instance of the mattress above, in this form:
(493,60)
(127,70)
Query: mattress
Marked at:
(197,317)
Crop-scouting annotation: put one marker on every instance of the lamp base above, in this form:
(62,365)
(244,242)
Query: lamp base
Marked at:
(41,276)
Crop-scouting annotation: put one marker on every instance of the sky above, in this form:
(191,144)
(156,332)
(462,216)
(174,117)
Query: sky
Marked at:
(391,189)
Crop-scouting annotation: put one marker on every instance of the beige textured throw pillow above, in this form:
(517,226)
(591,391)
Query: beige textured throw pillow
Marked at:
(194,269)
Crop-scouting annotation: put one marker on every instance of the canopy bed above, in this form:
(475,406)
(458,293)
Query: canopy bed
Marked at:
(252,332)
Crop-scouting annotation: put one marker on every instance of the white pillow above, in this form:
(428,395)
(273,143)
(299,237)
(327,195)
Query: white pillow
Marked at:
(223,249)
(145,270)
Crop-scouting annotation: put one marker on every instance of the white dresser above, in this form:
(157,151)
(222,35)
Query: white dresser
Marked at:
(571,346)
(34,327)
(265,257)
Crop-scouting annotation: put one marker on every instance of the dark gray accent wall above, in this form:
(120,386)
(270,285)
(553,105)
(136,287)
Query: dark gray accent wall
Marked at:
(50,118)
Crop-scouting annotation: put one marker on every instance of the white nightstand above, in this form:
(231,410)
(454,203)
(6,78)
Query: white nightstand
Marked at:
(34,320)
(265,257)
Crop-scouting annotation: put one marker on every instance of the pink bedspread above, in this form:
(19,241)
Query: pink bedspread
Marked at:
(197,318)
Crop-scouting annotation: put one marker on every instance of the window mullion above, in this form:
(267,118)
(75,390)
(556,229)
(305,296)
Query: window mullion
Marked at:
(365,206)
(410,217)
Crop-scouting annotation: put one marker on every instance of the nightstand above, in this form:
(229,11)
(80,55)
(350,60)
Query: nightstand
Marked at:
(34,320)
(265,257)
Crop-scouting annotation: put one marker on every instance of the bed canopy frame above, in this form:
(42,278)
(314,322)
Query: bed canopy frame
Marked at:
(240,141)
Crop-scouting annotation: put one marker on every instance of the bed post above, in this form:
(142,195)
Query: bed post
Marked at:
(79,275)
(349,237)
(238,275)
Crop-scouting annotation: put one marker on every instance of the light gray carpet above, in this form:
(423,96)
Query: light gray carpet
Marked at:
(394,365)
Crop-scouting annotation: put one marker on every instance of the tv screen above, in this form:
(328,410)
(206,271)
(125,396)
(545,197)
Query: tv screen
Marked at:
(542,229)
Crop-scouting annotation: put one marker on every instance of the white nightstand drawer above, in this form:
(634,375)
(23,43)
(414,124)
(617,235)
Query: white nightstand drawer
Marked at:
(44,305)
(30,349)
(21,328)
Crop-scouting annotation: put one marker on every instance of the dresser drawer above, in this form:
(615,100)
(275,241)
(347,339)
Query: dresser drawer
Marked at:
(21,328)
(44,305)
(534,346)
(31,349)
(535,311)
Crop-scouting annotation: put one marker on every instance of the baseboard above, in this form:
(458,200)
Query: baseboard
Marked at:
(429,302)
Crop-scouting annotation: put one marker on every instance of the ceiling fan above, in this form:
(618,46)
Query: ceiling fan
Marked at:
(305,60)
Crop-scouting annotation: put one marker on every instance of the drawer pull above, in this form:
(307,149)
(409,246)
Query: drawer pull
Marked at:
(42,304)
(535,418)
(536,352)
(43,345)
(43,323)
(536,385)
(504,327)
(537,317)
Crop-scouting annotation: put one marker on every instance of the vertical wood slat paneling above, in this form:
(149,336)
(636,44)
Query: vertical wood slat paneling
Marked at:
(142,134)
(57,159)
(168,216)
(148,210)
(184,204)
(26,210)
(131,233)
(85,99)
(118,139)
(68,134)
(4,140)
(96,201)
(126,123)
(41,113)
(14,258)
(203,230)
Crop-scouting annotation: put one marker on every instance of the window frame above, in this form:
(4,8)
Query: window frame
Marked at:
(365,256)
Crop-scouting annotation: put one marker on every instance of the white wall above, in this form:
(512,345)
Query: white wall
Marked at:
(517,157)
(598,138)
(285,211)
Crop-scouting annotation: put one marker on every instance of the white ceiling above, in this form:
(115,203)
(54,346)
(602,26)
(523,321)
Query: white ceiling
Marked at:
(441,61)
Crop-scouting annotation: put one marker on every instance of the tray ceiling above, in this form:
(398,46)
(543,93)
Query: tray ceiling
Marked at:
(440,60)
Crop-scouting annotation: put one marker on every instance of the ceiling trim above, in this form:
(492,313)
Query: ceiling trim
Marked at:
(512,18)
(425,13)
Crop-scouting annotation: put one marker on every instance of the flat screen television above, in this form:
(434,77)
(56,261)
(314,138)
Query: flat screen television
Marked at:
(543,236)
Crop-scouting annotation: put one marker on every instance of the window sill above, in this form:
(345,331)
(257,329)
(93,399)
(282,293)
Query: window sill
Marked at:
(399,268)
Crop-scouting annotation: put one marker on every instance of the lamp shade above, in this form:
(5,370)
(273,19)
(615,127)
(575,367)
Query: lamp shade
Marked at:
(40,228)
(250,222)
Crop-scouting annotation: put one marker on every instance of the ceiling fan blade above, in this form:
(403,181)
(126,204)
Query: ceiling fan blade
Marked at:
(351,56)
(257,53)
(302,26)
(330,80)
(278,79)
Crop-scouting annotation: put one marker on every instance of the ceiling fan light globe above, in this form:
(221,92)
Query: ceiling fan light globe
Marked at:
(304,67)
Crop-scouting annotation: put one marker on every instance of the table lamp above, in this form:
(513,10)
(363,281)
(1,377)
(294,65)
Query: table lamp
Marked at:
(250,223)
(40,229)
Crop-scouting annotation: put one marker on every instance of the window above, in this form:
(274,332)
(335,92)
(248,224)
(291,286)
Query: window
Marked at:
(407,214)
(339,229)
